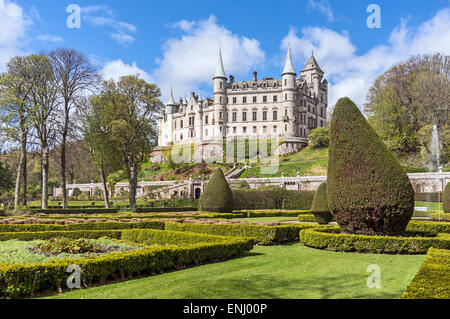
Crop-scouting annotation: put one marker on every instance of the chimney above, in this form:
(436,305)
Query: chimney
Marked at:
(255,76)
(231,79)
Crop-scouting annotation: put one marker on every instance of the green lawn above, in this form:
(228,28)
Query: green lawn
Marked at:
(287,271)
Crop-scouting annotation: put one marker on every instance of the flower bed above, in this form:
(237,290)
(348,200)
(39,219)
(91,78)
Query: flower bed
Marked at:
(332,239)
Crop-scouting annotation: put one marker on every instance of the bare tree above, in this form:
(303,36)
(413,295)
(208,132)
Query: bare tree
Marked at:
(74,75)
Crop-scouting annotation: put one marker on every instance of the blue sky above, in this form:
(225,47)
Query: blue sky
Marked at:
(175,42)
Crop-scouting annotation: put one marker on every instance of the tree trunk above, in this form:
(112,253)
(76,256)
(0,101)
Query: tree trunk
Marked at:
(105,188)
(45,166)
(18,182)
(133,183)
(63,159)
(24,173)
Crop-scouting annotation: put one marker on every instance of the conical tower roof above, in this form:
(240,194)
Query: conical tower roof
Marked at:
(171,100)
(220,72)
(312,64)
(288,66)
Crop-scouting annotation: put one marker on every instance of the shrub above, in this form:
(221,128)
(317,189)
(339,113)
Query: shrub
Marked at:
(307,218)
(76,211)
(320,206)
(272,198)
(367,190)
(433,278)
(319,137)
(217,196)
(425,226)
(164,209)
(58,245)
(76,192)
(446,199)
(331,239)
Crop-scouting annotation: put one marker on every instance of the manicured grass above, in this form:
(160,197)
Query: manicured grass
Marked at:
(287,271)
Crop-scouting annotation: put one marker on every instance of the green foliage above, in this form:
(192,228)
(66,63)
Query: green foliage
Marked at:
(88,210)
(76,192)
(6,178)
(433,278)
(320,206)
(272,198)
(319,137)
(446,199)
(367,190)
(265,235)
(26,280)
(332,239)
(217,196)
(308,218)
(426,226)
(295,213)
(58,245)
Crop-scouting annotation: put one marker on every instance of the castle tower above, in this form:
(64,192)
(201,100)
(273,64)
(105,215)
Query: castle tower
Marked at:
(170,110)
(288,96)
(220,99)
(313,74)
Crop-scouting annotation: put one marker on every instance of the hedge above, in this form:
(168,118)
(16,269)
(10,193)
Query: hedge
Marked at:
(88,234)
(75,211)
(164,209)
(307,218)
(433,278)
(294,213)
(265,235)
(80,226)
(27,280)
(330,240)
(426,226)
(272,198)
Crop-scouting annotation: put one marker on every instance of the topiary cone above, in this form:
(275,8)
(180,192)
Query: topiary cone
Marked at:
(217,196)
(367,190)
(319,205)
(446,199)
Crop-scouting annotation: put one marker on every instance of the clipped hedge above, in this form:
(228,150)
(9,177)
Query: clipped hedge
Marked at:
(294,213)
(86,210)
(433,278)
(446,199)
(27,280)
(88,234)
(81,226)
(164,209)
(307,218)
(265,235)
(330,239)
(426,226)
(272,198)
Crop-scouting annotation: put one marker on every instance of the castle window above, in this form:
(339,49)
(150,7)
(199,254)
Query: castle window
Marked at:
(244,100)
(321,98)
(244,130)
(285,82)
(275,115)
(220,84)
(285,112)
(175,125)
(181,137)
(234,116)
(275,98)
(321,123)
(220,99)
(244,116)
(206,119)
(254,129)
(265,116)
(274,129)
(264,129)
(254,116)
(220,116)
(254,99)
(274,84)
(234,130)
(264,99)
(181,125)
(234,100)
(285,97)
(285,127)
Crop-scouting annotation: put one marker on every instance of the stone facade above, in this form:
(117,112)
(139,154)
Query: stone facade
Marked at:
(288,108)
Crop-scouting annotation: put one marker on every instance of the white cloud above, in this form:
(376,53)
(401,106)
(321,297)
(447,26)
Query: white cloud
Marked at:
(323,7)
(50,38)
(103,16)
(117,68)
(350,74)
(189,61)
(13,26)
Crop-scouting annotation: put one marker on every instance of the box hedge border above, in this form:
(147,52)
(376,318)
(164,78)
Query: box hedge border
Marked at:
(433,278)
(27,280)
(330,239)
(428,226)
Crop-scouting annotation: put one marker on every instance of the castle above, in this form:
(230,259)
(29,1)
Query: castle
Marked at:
(289,107)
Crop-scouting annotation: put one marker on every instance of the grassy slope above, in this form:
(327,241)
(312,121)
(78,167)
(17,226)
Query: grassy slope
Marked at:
(288,271)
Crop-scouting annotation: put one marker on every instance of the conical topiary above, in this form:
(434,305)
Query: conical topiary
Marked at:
(446,199)
(217,196)
(367,190)
(320,206)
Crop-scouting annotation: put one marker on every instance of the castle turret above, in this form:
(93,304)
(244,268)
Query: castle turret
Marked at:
(170,110)
(220,98)
(313,74)
(288,90)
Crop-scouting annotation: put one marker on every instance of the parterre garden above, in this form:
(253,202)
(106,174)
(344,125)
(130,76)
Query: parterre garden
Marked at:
(320,248)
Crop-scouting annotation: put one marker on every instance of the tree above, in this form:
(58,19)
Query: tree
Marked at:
(104,150)
(42,112)
(217,196)
(320,137)
(6,178)
(15,89)
(131,109)
(446,199)
(367,190)
(319,205)
(73,75)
